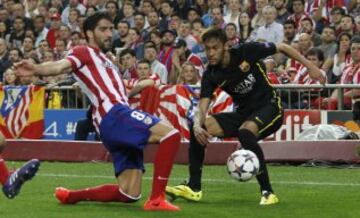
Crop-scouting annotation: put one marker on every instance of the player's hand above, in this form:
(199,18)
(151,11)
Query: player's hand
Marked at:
(24,68)
(201,135)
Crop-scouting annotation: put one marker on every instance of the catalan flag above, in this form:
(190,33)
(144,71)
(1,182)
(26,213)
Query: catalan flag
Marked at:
(22,111)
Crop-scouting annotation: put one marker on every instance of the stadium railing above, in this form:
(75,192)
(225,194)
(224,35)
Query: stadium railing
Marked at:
(292,96)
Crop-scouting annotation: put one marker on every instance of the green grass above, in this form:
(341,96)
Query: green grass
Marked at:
(303,192)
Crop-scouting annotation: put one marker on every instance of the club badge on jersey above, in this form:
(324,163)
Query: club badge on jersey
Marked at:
(244,66)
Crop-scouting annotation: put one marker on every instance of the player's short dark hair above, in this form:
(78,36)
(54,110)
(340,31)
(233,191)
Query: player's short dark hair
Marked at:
(316,52)
(92,21)
(355,39)
(144,61)
(127,51)
(214,33)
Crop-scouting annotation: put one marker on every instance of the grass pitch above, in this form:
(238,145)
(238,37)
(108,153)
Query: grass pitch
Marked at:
(303,192)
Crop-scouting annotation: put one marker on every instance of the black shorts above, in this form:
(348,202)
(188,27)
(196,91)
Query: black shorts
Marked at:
(268,118)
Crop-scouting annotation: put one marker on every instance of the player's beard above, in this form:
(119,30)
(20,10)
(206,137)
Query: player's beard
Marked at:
(104,45)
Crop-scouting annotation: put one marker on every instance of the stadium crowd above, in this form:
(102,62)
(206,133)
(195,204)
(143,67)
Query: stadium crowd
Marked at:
(167,34)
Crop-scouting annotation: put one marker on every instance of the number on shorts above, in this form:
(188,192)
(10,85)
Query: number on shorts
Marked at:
(137,115)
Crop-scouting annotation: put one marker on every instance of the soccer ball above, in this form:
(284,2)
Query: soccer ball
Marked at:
(243,165)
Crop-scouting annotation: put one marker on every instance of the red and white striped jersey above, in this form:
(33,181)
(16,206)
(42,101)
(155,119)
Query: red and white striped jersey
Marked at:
(351,74)
(303,77)
(99,80)
(133,82)
(197,62)
(298,19)
(311,8)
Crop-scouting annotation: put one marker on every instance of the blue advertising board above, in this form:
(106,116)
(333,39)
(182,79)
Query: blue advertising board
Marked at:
(61,124)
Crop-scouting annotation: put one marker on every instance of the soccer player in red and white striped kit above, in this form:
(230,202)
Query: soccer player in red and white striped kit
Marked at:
(123,131)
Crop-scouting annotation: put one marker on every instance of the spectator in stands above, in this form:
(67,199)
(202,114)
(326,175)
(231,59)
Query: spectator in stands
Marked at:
(74,16)
(53,33)
(233,14)
(350,75)
(60,49)
(245,26)
(202,6)
(185,34)
(167,10)
(15,55)
(193,14)
(128,11)
(72,4)
(208,15)
(148,7)
(282,12)
(141,24)
(17,34)
(258,20)
(166,53)
(189,74)
(10,78)
(123,31)
(289,31)
(342,57)
(42,48)
(319,9)
(153,20)
(18,10)
(183,7)
(85,126)
(112,8)
(75,39)
(174,23)
(270,65)
(3,30)
(150,54)
(328,46)
(232,38)
(355,11)
(128,64)
(90,10)
(181,55)
(298,7)
(65,34)
(145,79)
(155,37)
(304,45)
(136,43)
(347,24)
(218,18)
(5,63)
(28,47)
(307,26)
(335,17)
(197,29)
(5,17)
(271,31)
(40,29)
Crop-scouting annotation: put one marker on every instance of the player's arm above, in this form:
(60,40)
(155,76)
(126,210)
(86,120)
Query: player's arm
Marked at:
(52,68)
(199,120)
(314,71)
(140,86)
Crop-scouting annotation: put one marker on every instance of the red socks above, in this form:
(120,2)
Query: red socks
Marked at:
(4,172)
(104,193)
(163,163)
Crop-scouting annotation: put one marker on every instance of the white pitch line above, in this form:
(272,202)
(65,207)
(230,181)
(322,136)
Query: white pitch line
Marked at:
(309,183)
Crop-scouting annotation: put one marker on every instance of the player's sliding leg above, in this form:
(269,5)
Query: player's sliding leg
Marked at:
(169,141)
(250,142)
(192,190)
(12,182)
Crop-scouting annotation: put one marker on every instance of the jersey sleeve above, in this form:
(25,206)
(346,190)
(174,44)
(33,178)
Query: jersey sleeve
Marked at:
(78,57)
(207,86)
(254,51)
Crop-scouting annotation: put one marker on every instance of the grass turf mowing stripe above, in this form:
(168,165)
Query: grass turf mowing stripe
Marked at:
(205,180)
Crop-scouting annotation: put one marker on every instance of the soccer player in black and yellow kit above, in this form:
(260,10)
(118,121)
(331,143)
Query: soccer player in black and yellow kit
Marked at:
(239,72)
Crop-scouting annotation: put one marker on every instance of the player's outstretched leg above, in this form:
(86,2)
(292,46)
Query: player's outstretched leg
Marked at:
(249,141)
(192,190)
(163,163)
(103,193)
(15,180)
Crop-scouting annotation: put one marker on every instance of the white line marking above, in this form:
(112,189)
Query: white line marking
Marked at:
(306,183)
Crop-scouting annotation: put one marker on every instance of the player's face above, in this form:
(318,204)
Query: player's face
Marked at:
(103,35)
(214,50)
(143,70)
